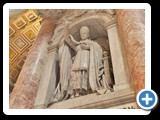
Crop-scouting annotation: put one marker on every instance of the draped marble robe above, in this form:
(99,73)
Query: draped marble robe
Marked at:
(66,84)
(89,61)
(65,57)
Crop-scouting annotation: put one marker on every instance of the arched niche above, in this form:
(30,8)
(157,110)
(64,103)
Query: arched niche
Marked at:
(95,25)
(100,26)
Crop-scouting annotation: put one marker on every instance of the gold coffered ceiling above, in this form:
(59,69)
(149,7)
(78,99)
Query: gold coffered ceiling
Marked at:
(23,29)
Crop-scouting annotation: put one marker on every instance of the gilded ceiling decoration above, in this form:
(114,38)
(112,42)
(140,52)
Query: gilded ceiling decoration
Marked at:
(23,29)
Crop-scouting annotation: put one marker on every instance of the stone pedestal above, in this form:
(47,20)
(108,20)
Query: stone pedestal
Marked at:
(25,90)
(132,33)
(118,99)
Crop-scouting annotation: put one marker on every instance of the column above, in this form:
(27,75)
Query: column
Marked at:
(49,80)
(25,90)
(132,33)
(121,76)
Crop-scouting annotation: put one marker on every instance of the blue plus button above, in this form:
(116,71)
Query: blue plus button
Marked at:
(147,99)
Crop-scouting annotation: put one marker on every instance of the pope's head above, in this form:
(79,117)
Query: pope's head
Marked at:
(84,32)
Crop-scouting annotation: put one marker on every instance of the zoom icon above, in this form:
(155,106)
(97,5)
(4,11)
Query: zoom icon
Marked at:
(147,99)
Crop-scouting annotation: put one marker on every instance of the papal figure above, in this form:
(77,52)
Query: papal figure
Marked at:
(82,73)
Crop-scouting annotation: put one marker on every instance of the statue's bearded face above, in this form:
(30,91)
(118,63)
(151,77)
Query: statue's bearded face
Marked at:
(84,32)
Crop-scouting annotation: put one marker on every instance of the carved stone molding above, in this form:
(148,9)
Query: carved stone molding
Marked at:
(94,101)
(56,14)
(107,12)
(52,48)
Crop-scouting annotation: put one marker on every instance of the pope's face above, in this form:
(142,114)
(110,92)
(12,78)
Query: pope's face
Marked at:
(84,34)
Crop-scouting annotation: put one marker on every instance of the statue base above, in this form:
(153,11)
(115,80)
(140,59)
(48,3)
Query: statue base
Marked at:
(117,99)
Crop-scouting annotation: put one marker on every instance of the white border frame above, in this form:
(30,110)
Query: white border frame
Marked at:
(33,14)
(8,6)
(15,23)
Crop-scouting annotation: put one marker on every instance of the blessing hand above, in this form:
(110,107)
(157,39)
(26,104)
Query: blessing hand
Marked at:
(85,46)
